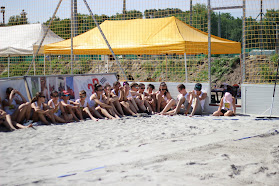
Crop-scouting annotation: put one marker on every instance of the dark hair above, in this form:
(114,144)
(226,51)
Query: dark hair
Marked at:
(96,86)
(163,84)
(141,84)
(181,86)
(125,83)
(82,92)
(53,92)
(9,90)
(198,87)
(134,85)
(116,83)
(107,85)
(38,94)
(151,86)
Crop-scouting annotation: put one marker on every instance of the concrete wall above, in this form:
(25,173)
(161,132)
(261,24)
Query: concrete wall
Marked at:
(257,99)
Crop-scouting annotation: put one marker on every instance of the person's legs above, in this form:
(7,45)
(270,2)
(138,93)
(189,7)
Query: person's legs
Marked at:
(168,106)
(8,122)
(87,111)
(229,113)
(59,119)
(158,100)
(134,104)
(106,113)
(95,112)
(78,111)
(218,113)
(131,105)
(197,109)
(69,110)
(140,104)
(40,117)
(21,113)
(127,109)
(148,106)
(118,107)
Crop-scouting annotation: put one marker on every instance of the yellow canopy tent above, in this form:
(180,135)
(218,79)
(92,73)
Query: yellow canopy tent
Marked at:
(144,36)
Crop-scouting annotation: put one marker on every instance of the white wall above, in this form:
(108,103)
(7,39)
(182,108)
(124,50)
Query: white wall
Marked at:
(256,99)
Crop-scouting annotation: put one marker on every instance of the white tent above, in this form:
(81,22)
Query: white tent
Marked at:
(21,40)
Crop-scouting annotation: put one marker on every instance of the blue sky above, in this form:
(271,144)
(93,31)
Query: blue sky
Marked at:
(41,10)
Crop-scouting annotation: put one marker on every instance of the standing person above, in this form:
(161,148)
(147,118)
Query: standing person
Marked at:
(119,92)
(102,102)
(164,99)
(84,106)
(69,106)
(16,105)
(58,110)
(184,101)
(227,106)
(198,100)
(6,120)
(42,112)
(146,98)
(113,100)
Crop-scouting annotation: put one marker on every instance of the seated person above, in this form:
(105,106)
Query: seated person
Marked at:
(146,98)
(127,96)
(58,110)
(198,100)
(6,120)
(119,92)
(137,96)
(70,107)
(42,112)
(227,106)
(151,98)
(16,106)
(184,101)
(113,100)
(84,106)
(102,103)
(164,99)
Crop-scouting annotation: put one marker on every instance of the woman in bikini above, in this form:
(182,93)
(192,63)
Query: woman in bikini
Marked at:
(164,100)
(42,112)
(84,106)
(58,110)
(102,104)
(119,92)
(16,106)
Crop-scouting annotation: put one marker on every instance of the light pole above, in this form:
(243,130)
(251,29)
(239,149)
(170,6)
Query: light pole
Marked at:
(3,12)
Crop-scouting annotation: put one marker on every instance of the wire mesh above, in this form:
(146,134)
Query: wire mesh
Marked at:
(261,39)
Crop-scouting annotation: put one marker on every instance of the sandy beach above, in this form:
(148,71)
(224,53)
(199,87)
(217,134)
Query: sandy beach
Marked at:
(156,150)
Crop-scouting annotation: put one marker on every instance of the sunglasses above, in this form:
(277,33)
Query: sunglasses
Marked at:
(163,89)
(82,96)
(66,95)
(100,90)
(42,96)
(142,88)
(56,96)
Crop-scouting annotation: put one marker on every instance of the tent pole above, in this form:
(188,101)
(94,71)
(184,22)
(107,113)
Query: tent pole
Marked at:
(209,47)
(38,49)
(186,70)
(166,67)
(72,22)
(104,37)
(243,41)
(8,66)
(44,64)
(34,65)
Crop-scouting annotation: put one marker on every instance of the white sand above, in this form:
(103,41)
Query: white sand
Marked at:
(159,150)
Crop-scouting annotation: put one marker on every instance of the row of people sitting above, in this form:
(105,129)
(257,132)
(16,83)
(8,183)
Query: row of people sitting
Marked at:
(107,102)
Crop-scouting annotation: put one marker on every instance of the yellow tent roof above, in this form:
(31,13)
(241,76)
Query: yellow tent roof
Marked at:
(145,36)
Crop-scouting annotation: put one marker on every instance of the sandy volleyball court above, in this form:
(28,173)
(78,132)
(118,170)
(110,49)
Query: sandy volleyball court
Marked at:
(156,150)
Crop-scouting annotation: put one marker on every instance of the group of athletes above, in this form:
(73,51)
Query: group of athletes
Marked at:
(106,103)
